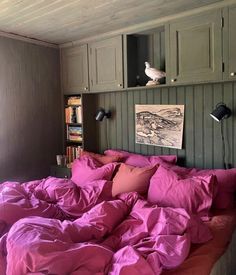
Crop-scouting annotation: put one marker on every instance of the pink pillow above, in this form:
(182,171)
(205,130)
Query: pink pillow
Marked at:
(132,179)
(86,169)
(225,197)
(101,158)
(141,160)
(194,194)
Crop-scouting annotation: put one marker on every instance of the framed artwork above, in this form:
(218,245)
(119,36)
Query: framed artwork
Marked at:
(159,125)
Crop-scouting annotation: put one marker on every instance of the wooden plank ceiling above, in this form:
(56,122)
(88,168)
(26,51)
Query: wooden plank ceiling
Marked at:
(61,21)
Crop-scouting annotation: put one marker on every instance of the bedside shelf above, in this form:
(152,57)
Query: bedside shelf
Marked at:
(73,105)
(60,171)
(74,141)
(74,124)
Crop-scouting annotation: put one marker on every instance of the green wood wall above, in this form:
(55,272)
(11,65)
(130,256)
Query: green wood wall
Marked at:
(30,110)
(202,146)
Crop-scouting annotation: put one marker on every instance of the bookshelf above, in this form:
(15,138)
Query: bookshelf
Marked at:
(73,127)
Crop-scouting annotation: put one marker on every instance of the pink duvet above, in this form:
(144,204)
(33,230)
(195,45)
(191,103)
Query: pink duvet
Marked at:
(51,226)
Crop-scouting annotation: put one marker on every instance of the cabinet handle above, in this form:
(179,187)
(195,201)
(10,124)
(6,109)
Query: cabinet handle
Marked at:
(119,85)
(86,88)
(233,74)
(173,80)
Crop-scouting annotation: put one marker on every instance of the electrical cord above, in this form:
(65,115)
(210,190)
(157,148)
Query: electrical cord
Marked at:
(107,135)
(223,144)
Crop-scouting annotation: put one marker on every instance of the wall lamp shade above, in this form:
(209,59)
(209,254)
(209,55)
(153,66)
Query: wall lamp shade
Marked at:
(101,113)
(221,111)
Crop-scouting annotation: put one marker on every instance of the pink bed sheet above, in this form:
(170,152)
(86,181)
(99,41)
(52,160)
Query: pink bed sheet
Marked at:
(202,257)
(51,226)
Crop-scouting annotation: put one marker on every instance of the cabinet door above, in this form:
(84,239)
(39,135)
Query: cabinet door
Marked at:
(106,65)
(75,69)
(229,39)
(195,48)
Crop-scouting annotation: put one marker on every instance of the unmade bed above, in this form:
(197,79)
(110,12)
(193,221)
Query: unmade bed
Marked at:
(120,214)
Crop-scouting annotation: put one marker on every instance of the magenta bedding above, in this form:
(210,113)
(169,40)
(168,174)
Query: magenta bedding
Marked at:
(52,226)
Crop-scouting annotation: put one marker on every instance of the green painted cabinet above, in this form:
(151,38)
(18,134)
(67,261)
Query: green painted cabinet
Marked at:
(196,48)
(74,63)
(106,64)
(229,39)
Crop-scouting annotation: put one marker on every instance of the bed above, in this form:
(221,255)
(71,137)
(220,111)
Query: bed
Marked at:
(108,219)
(216,257)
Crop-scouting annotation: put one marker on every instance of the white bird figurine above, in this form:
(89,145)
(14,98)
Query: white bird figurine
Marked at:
(154,74)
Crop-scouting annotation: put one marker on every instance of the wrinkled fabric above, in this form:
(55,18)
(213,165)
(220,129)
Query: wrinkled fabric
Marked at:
(203,257)
(52,226)
(49,198)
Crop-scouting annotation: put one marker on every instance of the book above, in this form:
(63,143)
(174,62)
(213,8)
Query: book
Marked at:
(73,114)
(72,153)
(74,133)
(74,100)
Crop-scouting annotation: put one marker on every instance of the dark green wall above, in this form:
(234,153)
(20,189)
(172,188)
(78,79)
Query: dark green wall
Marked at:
(30,110)
(202,145)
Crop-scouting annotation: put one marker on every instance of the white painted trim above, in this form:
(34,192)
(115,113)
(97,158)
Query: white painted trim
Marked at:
(28,39)
(149,24)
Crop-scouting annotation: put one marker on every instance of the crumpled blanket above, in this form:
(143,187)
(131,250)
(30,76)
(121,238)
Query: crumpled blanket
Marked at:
(51,226)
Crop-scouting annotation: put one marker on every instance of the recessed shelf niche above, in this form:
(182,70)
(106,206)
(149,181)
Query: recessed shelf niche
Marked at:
(144,46)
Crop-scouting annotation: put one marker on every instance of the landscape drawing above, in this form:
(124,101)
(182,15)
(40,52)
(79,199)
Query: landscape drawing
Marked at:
(160,125)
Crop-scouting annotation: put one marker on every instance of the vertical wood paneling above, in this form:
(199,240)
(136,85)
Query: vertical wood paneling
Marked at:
(107,123)
(30,110)
(208,126)
(199,127)
(119,120)
(91,103)
(202,144)
(217,97)
(124,109)
(131,129)
(189,126)
(112,121)
(228,123)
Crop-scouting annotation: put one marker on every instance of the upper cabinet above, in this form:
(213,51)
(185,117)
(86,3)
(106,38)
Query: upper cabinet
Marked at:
(196,48)
(74,63)
(229,39)
(191,49)
(106,64)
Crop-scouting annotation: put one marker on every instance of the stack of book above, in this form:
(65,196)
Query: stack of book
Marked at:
(74,133)
(74,100)
(72,153)
(73,114)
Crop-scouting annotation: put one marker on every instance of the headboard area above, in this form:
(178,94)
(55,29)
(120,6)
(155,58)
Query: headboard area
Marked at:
(202,144)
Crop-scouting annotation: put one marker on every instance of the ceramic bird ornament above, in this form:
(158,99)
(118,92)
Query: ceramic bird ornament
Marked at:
(154,74)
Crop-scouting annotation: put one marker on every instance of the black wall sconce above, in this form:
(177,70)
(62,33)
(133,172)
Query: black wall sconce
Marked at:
(219,113)
(101,113)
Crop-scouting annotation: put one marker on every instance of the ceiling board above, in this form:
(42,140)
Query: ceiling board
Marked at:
(61,21)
